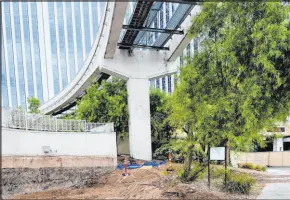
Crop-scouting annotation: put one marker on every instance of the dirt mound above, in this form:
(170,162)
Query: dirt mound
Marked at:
(141,184)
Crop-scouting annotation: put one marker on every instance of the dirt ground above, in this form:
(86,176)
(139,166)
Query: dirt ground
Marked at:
(148,183)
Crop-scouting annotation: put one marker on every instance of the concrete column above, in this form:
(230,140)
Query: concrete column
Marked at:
(139,118)
(278,144)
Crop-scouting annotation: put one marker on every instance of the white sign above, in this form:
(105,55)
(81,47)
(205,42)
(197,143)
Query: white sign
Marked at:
(217,153)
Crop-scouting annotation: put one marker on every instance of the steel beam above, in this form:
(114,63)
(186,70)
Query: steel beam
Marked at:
(158,30)
(142,46)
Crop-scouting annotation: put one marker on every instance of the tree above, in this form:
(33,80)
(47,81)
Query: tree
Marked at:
(239,83)
(161,129)
(34,104)
(106,102)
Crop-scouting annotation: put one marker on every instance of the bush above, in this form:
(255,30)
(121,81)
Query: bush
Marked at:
(240,182)
(260,168)
(248,166)
(197,172)
(217,172)
(253,167)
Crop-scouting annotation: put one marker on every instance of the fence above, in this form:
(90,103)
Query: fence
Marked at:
(274,159)
(19,119)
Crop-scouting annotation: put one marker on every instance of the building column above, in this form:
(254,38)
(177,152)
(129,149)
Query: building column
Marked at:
(278,144)
(139,118)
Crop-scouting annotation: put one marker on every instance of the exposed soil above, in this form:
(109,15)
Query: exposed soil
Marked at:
(149,183)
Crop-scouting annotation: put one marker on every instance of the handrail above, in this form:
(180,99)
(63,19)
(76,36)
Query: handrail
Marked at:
(19,119)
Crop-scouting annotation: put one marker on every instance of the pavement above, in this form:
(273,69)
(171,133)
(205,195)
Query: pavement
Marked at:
(277,190)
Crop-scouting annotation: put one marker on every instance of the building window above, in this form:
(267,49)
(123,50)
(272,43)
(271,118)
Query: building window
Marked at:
(70,42)
(161,17)
(18,43)
(188,50)
(53,47)
(95,17)
(195,46)
(37,63)
(167,12)
(169,84)
(79,48)
(27,45)
(87,27)
(172,8)
(157,83)
(10,54)
(4,81)
(163,84)
(61,44)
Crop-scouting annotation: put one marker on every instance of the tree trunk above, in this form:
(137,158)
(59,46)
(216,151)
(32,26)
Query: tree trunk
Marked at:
(189,161)
(227,158)
(208,166)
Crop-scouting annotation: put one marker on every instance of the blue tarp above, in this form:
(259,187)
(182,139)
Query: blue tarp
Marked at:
(135,166)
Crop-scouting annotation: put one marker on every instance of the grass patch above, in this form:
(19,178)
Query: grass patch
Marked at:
(240,183)
(252,166)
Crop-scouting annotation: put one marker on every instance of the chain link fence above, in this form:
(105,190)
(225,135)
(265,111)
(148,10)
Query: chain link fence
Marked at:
(19,119)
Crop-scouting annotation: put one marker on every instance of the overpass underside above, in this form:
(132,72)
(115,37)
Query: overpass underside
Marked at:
(119,51)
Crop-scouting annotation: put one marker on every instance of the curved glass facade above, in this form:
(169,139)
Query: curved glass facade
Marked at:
(44,45)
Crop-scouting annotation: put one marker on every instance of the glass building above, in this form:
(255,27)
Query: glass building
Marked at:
(44,45)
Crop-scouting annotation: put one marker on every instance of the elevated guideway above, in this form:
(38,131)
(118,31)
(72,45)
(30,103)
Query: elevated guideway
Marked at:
(119,51)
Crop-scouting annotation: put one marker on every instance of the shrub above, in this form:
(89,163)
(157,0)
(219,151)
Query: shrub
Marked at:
(260,168)
(248,166)
(252,166)
(217,172)
(240,183)
(197,171)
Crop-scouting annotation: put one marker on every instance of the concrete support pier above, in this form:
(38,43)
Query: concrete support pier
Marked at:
(139,118)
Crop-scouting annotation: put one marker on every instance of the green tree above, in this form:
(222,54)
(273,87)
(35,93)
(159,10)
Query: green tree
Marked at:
(239,83)
(106,102)
(34,104)
(161,129)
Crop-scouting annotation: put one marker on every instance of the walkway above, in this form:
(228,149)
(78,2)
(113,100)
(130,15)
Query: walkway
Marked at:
(277,190)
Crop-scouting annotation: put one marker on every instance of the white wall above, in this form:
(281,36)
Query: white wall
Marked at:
(19,142)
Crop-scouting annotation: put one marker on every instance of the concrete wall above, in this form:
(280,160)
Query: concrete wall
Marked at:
(30,143)
(57,161)
(275,159)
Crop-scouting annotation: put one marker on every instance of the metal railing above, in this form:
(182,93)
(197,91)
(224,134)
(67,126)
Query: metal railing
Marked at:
(19,119)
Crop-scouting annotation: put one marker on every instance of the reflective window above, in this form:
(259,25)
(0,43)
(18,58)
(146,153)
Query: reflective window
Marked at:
(38,74)
(26,44)
(10,54)
(161,16)
(152,83)
(169,84)
(195,46)
(79,49)
(163,84)
(157,83)
(95,18)
(155,24)
(172,8)
(70,39)
(86,21)
(4,81)
(61,44)
(188,50)
(167,12)
(19,55)
(53,47)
